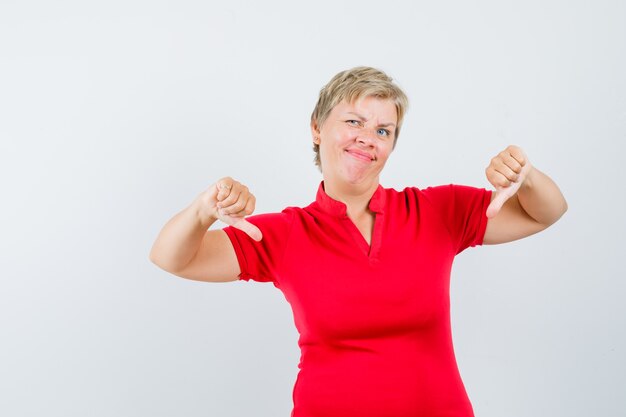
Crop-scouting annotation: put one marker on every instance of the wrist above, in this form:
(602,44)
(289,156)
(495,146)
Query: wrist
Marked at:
(204,215)
(530,177)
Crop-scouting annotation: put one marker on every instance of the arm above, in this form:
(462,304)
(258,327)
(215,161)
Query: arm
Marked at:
(530,201)
(186,248)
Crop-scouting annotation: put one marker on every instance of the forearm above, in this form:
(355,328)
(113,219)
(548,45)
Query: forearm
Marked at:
(180,239)
(541,198)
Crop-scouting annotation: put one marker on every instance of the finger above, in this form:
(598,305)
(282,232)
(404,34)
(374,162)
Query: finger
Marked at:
(250,205)
(502,195)
(496,204)
(517,153)
(223,189)
(512,163)
(236,207)
(235,216)
(496,178)
(231,199)
(250,229)
(506,171)
(247,210)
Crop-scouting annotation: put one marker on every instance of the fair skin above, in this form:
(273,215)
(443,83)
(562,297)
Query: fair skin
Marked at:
(526,201)
(355,142)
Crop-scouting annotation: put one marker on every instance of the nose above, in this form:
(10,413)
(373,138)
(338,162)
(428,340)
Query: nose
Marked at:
(367,136)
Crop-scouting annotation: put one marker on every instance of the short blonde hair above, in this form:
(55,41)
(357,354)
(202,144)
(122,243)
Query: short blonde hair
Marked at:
(352,84)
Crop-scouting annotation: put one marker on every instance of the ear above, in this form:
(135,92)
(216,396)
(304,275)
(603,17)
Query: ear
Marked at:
(315,132)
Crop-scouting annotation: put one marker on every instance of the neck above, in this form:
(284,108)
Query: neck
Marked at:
(356,197)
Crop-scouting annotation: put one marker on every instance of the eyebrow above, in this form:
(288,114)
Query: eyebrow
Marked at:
(363,118)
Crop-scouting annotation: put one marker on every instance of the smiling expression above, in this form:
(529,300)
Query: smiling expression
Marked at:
(356,139)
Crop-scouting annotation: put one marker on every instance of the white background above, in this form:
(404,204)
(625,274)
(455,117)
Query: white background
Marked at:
(115,115)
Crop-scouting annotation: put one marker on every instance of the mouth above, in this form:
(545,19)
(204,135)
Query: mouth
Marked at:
(363,156)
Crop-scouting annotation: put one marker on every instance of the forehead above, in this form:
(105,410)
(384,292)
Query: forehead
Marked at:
(381,109)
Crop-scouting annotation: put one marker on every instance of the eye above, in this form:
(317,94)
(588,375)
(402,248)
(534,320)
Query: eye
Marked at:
(384,132)
(353,122)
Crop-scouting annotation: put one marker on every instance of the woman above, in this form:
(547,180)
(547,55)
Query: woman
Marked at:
(365,269)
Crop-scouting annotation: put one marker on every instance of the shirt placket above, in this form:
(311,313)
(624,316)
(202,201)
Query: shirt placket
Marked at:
(372,250)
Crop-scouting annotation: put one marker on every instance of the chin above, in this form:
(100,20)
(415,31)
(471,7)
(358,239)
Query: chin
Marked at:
(359,178)
(354,174)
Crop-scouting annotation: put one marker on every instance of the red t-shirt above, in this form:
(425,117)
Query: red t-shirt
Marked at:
(374,321)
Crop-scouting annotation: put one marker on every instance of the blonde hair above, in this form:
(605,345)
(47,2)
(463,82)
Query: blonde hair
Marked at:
(352,84)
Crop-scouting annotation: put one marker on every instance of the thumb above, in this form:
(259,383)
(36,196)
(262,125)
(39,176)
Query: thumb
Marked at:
(248,228)
(502,194)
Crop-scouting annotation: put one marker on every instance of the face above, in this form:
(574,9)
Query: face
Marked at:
(356,139)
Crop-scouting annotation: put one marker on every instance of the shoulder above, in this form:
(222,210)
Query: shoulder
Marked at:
(437,196)
(449,193)
(274,220)
(413,193)
(426,192)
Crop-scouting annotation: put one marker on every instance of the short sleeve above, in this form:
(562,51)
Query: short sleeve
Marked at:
(260,261)
(463,210)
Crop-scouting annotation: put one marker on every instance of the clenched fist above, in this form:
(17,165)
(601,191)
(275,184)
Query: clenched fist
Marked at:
(506,172)
(229,201)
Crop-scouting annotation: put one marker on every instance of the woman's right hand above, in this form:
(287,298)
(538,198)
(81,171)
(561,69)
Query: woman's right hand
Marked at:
(229,201)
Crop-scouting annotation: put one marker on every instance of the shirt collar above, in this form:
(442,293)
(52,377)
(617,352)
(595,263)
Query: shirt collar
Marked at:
(337,208)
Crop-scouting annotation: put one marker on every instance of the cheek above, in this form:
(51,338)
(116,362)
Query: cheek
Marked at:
(386,148)
(384,155)
(338,141)
(344,136)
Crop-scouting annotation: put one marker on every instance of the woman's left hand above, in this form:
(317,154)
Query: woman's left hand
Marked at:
(506,172)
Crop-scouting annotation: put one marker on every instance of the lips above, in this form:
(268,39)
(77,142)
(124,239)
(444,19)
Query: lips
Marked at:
(360,155)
